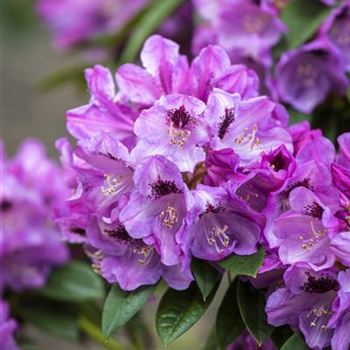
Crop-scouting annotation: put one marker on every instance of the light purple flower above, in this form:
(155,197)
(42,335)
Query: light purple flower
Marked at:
(340,320)
(157,209)
(306,75)
(175,128)
(30,242)
(7,328)
(220,224)
(103,113)
(337,30)
(246,126)
(305,303)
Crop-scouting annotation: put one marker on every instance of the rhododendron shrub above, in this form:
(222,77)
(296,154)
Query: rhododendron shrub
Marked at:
(182,171)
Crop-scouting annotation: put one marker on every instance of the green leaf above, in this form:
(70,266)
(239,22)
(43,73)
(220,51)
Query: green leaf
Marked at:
(251,305)
(206,276)
(296,117)
(178,311)
(296,341)
(56,319)
(229,323)
(121,306)
(348,94)
(150,21)
(302,19)
(246,265)
(280,335)
(75,281)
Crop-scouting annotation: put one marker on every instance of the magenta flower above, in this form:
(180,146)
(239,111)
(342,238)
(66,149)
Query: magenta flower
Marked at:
(7,328)
(246,341)
(306,75)
(30,243)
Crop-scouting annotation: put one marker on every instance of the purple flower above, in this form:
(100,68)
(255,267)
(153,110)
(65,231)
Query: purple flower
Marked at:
(73,21)
(220,224)
(247,126)
(243,28)
(7,328)
(30,243)
(246,341)
(306,75)
(157,209)
(340,320)
(103,113)
(175,128)
(337,30)
(305,303)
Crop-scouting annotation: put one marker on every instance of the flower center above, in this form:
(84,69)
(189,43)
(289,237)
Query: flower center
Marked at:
(307,73)
(226,121)
(180,122)
(316,313)
(253,24)
(314,210)
(218,238)
(322,285)
(248,137)
(315,237)
(162,188)
(169,216)
(144,253)
(112,184)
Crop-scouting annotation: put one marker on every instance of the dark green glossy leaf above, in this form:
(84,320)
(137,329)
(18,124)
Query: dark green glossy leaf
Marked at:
(178,311)
(296,341)
(229,323)
(55,319)
(206,276)
(251,303)
(75,281)
(120,307)
(280,335)
(246,265)
(303,18)
(149,22)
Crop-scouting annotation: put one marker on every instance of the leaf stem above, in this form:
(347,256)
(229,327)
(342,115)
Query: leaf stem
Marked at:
(95,333)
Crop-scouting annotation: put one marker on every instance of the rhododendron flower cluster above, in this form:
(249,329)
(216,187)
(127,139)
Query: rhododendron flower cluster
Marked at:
(30,243)
(178,160)
(304,76)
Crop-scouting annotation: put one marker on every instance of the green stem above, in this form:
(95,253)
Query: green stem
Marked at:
(95,333)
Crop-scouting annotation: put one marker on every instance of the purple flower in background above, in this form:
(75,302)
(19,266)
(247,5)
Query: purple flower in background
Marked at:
(220,224)
(337,30)
(30,243)
(246,341)
(75,21)
(7,328)
(306,75)
(243,28)
(305,302)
